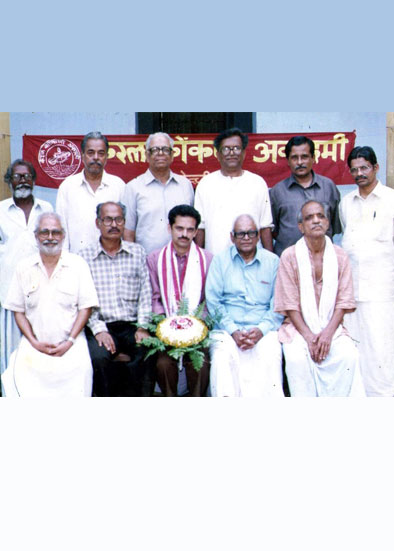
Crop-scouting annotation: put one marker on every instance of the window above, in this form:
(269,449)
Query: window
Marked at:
(193,123)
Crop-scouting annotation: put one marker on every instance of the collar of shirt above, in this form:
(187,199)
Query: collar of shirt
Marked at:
(64,260)
(293,182)
(13,205)
(234,253)
(99,249)
(377,190)
(149,178)
(102,183)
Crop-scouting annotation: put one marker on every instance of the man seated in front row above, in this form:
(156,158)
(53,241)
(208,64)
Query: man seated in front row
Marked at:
(314,290)
(51,295)
(121,278)
(246,356)
(179,270)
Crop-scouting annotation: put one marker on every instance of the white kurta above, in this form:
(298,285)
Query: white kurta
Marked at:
(220,199)
(76,203)
(368,239)
(51,305)
(17,241)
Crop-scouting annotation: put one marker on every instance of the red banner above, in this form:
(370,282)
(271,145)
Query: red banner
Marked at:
(56,157)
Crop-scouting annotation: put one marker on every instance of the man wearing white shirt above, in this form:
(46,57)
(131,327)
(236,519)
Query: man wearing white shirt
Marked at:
(150,197)
(79,194)
(225,194)
(18,216)
(367,217)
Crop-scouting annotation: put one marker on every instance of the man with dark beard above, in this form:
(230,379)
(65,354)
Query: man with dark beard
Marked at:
(18,215)
(51,294)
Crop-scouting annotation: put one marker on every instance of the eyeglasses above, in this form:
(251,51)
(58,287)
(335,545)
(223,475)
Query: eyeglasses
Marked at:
(156,150)
(363,169)
(46,233)
(242,234)
(18,177)
(225,150)
(108,220)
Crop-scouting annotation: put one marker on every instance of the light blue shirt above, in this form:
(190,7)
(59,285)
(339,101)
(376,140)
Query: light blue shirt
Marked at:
(243,294)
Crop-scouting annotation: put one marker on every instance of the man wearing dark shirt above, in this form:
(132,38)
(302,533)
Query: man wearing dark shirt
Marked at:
(288,196)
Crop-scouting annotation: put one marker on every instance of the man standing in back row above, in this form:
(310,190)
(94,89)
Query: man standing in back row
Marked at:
(367,216)
(288,196)
(225,194)
(79,194)
(151,196)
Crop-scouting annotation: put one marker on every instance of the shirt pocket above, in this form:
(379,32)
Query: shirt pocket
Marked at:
(67,294)
(31,295)
(129,287)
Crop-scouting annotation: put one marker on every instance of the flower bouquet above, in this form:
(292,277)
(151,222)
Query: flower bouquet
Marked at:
(181,334)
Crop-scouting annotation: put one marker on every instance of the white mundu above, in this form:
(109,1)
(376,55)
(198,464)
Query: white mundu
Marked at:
(254,373)
(51,305)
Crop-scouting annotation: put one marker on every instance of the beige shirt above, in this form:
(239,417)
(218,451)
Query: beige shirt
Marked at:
(368,239)
(287,289)
(51,304)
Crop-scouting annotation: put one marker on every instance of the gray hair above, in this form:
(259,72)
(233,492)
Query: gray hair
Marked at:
(52,215)
(326,209)
(10,171)
(163,135)
(94,136)
(251,218)
(118,203)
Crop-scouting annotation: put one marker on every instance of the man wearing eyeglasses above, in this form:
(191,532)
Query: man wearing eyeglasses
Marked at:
(121,277)
(367,216)
(18,216)
(288,196)
(151,196)
(246,356)
(228,192)
(51,295)
(79,194)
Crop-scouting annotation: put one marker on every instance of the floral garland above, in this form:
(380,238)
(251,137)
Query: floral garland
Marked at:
(176,347)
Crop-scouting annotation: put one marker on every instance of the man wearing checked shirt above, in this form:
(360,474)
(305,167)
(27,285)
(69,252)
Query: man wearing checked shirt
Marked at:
(122,282)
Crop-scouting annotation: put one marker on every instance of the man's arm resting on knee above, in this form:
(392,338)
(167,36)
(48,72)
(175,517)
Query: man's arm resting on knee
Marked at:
(104,339)
(310,338)
(324,339)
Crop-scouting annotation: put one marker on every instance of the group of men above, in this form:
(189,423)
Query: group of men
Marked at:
(262,260)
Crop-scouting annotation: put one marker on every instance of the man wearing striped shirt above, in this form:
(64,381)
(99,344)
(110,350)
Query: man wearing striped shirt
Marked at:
(122,282)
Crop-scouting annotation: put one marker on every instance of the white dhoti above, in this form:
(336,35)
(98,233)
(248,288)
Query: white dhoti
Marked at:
(253,373)
(32,374)
(338,375)
(371,326)
(10,336)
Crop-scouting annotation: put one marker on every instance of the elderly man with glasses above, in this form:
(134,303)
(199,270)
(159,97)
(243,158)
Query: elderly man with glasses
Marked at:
(246,356)
(18,216)
(230,191)
(121,278)
(151,196)
(367,216)
(51,295)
